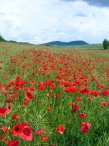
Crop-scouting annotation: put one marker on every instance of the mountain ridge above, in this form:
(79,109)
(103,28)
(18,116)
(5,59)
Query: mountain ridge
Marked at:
(61,43)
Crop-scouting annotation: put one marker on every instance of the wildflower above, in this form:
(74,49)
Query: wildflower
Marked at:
(26,132)
(40,131)
(41,86)
(5,129)
(4,111)
(22,130)
(29,96)
(85,127)
(60,129)
(78,99)
(84,91)
(2,137)
(81,115)
(104,103)
(44,138)
(71,89)
(49,108)
(16,129)
(12,143)
(89,99)
(15,117)
(75,107)
(104,93)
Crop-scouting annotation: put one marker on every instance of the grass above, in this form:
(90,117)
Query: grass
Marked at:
(50,75)
(89,46)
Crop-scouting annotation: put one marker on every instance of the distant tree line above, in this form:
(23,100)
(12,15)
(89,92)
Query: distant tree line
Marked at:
(105,44)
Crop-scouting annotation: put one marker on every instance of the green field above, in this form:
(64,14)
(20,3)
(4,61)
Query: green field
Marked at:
(51,96)
(89,46)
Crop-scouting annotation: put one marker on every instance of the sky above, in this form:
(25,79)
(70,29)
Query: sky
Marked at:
(41,21)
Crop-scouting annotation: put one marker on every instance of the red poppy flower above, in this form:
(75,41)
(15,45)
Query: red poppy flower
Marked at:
(81,115)
(41,86)
(44,138)
(29,96)
(31,88)
(16,130)
(32,82)
(26,133)
(94,93)
(12,142)
(60,129)
(25,102)
(15,117)
(85,127)
(104,93)
(71,89)
(89,99)
(9,100)
(2,137)
(5,129)
(104,103)
(84,91)
(48,83)
(78,99)
(22,130)
(75,107)
(40,131)
(49,108)
(4,111)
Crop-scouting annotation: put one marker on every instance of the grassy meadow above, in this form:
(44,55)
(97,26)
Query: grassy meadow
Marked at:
(52,96)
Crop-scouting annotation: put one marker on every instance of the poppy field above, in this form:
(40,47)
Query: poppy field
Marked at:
(53,96)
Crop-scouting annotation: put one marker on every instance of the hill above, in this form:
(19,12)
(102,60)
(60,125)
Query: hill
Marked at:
(2,39)
(59,43)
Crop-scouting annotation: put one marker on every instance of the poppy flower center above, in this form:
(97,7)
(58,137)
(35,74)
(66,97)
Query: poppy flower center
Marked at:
(26,131)
(17,129)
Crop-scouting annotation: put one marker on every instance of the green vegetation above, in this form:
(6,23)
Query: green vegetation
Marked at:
(87,47)
(61,93)
(59,43)
(2,39)
(105,44)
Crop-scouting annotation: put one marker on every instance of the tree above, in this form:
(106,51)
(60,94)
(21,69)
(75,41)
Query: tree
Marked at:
(105,44)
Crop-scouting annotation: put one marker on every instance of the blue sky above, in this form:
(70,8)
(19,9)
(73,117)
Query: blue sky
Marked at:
(40,21)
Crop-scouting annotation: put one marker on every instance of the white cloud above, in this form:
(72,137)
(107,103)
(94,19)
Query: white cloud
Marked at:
(39,21)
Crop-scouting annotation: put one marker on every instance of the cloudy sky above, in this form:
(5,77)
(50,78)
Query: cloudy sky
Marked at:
(39,21)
